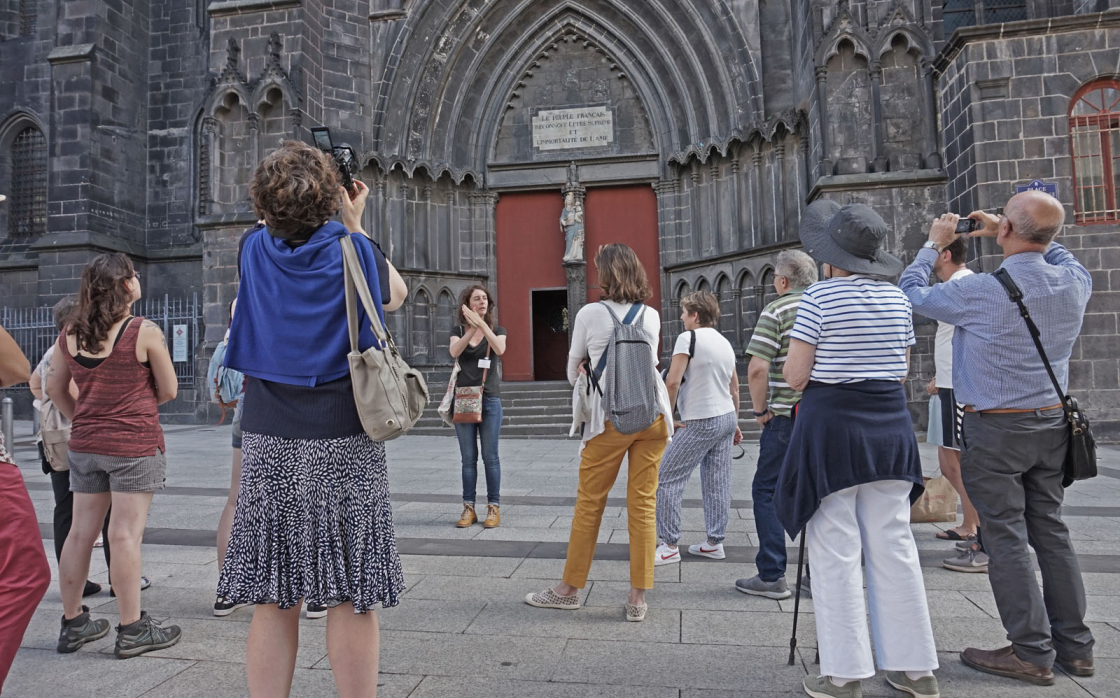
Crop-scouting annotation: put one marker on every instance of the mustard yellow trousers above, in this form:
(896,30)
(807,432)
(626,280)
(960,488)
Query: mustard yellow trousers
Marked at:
(598,469)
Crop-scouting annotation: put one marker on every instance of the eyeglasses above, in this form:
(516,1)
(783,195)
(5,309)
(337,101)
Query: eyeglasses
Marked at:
(136,275)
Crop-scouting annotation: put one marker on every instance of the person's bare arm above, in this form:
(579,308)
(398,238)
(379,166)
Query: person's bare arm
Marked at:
(735,390)
(903,381)
(59,381)
(758,380)
(497,341)
(675,377)
(799,363)
(152,343)
(36,384)
(398,289)
(459,344)
(14,366)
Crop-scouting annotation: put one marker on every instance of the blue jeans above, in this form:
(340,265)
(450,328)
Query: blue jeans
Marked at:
(772,446)
(487,432)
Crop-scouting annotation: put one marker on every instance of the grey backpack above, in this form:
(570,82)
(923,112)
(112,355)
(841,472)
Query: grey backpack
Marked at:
(630,401)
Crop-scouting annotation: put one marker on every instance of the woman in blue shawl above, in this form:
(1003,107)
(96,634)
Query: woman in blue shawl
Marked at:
(313,523)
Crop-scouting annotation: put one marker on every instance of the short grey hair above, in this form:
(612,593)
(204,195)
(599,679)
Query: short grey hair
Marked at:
(796,266)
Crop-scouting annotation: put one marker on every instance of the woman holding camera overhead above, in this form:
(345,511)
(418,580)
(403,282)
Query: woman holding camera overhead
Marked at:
(313,522)
(853,469)
(477,346)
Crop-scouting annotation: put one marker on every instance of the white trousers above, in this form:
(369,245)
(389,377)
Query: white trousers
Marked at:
(872,519)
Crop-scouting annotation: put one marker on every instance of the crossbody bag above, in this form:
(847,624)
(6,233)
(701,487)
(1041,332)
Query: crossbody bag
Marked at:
(1081,454)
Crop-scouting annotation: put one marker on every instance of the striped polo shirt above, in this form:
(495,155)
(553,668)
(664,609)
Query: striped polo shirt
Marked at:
(860,326)
(770,342)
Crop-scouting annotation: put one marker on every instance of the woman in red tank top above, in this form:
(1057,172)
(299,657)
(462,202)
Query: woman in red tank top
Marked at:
(124,372)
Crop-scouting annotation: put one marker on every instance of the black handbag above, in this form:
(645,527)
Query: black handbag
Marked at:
(1081,454)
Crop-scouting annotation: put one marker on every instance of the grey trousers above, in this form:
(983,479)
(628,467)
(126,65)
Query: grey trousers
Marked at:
(705,443)
(1011,465)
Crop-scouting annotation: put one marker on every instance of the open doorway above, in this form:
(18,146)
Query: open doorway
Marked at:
(550,333)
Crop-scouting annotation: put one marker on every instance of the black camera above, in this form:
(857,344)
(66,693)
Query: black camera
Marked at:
(343,155)
(967,225)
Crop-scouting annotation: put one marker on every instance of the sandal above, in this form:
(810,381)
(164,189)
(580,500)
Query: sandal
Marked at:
(636,614)
(952,534)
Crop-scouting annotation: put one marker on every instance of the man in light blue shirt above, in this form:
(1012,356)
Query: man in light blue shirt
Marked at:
(1014,433)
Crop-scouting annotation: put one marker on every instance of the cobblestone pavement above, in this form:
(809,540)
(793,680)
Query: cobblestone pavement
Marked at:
(462,628)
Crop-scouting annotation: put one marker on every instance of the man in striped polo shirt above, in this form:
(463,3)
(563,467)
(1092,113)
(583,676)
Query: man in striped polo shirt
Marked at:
(773,401)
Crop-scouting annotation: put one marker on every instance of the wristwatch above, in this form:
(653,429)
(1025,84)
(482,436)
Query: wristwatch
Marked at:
(763,413)
(933,246)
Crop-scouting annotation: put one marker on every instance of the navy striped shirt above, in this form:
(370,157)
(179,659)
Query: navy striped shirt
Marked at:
(860,326)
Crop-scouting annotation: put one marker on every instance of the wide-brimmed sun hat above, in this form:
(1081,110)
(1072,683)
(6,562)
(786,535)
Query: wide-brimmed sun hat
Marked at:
(851,238)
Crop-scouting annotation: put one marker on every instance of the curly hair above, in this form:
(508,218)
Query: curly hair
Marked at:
(295,189)
(103,300)
(465,299)
(622,278)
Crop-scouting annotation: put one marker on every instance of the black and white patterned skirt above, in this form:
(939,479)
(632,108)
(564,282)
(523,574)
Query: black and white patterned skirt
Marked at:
(313,522)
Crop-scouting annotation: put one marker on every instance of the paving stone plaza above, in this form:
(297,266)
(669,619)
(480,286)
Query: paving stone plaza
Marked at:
(462,628)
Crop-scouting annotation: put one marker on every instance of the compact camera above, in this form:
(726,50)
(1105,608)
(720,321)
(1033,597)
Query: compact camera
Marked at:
(967,225)
(343,155)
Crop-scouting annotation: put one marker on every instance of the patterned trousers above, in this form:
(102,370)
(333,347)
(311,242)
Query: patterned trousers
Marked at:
(705,443)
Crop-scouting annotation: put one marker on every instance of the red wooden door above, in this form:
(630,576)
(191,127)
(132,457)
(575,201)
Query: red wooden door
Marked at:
(627,215)
(530,246)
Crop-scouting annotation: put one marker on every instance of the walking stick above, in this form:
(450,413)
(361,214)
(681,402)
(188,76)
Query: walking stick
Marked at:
(797,596)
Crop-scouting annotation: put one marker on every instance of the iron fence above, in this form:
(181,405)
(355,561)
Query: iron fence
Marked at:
(179,318)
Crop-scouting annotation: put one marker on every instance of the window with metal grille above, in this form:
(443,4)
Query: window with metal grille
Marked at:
(1094,131)
(28,17)
(967,13)
(27,214)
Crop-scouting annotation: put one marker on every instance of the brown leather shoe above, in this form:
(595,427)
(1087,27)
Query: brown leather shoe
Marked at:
(468,517)
(1077,667)
(1004,662)
(492,517)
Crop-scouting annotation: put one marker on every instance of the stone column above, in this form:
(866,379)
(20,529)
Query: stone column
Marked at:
(716,239)
(756,195)
(738,344)
(207,160)
(879,142)
(254,138)
(929,96)
(576,270)
(779,191)
(738,218)
(822,108)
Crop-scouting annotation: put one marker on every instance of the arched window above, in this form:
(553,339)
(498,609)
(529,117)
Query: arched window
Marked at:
(27,214)
(1094,131)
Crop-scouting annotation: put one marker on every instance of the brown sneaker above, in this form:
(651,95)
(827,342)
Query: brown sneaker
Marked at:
(468,517)
(492,517)
(1004,662)
(1077,667)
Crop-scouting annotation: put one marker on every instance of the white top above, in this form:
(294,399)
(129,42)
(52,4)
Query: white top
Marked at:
(943,344)
(590,336)
(706,391)
(54,419)
(860,326)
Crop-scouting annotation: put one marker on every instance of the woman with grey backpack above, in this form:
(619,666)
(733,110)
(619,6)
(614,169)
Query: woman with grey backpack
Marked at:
(614,345)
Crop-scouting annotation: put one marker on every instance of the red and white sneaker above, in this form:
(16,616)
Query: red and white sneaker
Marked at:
(707,550)
(666,554)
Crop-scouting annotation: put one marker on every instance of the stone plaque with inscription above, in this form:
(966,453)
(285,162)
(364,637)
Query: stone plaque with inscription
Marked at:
(585,127)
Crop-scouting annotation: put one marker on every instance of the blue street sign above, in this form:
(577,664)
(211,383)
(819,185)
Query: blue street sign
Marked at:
(1038,185)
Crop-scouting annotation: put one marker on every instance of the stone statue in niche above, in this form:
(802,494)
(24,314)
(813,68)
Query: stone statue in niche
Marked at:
(571,222)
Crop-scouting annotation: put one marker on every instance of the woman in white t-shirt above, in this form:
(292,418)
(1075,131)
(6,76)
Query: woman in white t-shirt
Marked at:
(704,385)
(624,286)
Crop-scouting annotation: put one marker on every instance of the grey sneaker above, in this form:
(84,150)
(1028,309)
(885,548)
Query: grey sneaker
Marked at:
(971,560)
(925,687)
(822,687)
(145,635)
(78,631)
(777,589)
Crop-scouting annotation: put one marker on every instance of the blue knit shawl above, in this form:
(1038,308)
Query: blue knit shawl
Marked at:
(290,324)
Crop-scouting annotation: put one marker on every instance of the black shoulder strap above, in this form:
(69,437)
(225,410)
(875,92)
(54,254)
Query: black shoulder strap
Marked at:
(692,344)
(1016,296)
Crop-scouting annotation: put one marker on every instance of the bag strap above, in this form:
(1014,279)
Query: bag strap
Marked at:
(487,369)
(692,345)
(357,285)
(632,313)
(1016,297)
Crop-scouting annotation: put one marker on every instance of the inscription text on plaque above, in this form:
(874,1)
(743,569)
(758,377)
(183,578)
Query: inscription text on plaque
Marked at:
(585,127)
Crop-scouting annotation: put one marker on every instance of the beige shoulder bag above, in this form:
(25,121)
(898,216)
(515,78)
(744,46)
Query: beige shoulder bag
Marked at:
(390,395)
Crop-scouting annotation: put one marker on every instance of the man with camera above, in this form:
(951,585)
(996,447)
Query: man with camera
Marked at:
(1014,432)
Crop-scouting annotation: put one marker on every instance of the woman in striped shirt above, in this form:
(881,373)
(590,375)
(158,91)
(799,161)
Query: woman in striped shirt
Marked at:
(852,469)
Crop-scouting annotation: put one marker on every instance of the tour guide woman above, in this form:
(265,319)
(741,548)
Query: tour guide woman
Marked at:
(313,523)
(852,469)
(478,346)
